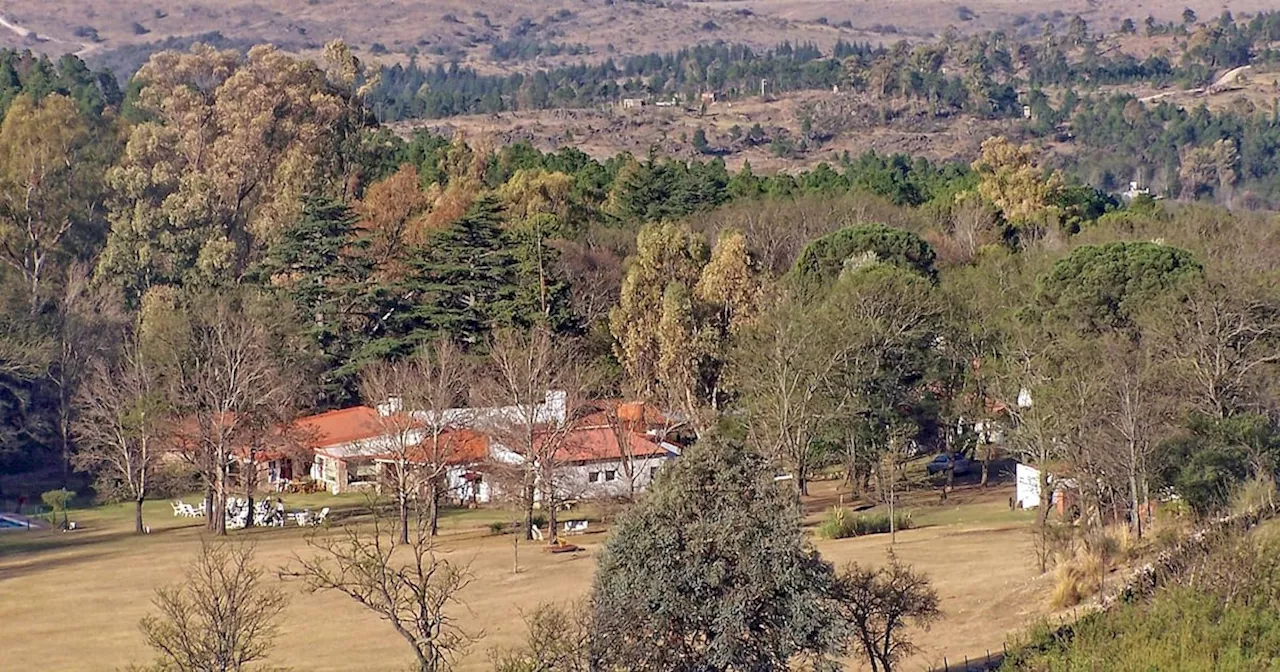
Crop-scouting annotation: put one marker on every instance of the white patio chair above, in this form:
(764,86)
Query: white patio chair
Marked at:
(575,527)
(177,508)
(537,533)
(324,513)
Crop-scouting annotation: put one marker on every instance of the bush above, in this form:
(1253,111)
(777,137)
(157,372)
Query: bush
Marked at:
(1254,495)
(58,501)
(498,527)
(87,33)
(840,524)
(1077,577)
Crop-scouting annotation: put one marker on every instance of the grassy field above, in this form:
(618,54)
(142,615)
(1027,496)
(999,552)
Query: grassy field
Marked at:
(71,601)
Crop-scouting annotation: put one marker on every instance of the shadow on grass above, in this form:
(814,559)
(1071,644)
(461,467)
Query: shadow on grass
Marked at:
(48,564)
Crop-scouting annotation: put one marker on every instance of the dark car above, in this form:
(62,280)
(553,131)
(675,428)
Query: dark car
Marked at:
(958,464)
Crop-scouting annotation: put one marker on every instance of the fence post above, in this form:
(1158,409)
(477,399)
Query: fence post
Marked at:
(946,667)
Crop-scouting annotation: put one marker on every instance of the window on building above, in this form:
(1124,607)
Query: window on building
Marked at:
(653,473)
(593,477)
(610,475)
(362,472)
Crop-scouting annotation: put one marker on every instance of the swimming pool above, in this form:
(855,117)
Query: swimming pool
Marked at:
(7,523)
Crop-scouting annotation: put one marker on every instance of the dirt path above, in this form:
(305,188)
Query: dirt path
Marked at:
(24,33)
(15,28)
(1229,77)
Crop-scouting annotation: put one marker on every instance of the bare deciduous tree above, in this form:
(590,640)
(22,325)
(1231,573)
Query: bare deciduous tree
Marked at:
(559,640)
(406,585)
(538,382)
(419,399)
(789,369)
(1223,340)
(1137,412)
(122,422)
(227,378)
(880,606)
(220,619)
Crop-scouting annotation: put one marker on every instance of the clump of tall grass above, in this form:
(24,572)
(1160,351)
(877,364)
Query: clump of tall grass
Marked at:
(1078,576)
(840,524)
(1254,495)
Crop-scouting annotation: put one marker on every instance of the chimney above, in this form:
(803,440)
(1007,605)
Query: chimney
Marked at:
(556,406)
(393,404)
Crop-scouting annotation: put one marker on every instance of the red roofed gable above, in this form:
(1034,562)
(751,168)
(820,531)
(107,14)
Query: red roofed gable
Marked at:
(602,443)
(457,447)
(338,427)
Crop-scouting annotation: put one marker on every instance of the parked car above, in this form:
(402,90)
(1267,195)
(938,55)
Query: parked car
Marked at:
(958,464)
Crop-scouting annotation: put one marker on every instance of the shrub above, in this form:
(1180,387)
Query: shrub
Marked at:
(87,33)
(58,501)
(840,524)
(1254,495)
(497,527)
(1077,577)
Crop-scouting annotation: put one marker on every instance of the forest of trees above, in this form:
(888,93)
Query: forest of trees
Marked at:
(347,246)
(233,241)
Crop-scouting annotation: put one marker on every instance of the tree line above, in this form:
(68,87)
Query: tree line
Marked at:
(979,75)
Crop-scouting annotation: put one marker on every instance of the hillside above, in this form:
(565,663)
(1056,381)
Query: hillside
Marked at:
(119,33)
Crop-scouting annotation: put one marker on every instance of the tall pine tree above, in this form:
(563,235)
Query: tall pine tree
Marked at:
(459,284)
(321,266)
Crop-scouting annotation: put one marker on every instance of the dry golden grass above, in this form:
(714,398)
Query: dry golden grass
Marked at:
(72,601)
(603,133)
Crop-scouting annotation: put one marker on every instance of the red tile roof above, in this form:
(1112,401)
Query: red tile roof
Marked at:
(636,415)
(457,447)
(341,426)
(601,443)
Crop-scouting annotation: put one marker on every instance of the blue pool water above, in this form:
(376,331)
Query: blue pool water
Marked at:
(11,523)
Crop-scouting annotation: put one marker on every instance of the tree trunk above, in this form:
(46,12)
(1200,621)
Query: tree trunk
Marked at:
(1046,497)
(248,488)
(402,500)
(434,504)
(1135,515)
(64,431)
(220,501)
(986,470)
(528,508)
(137,517)
(549,501)
(208,507)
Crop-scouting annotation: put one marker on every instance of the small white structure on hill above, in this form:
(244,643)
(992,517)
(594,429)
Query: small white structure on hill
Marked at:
(1028,493)
(1134,192)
